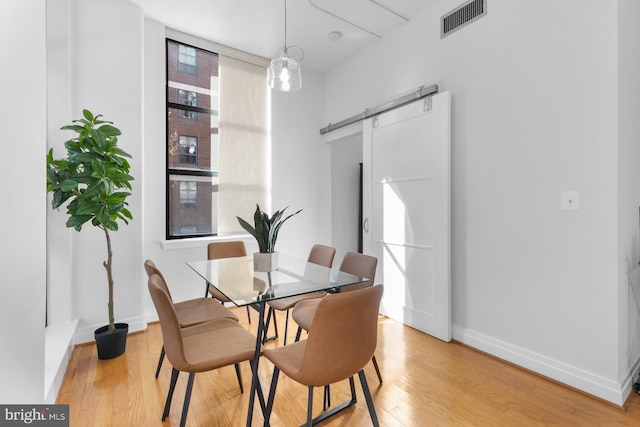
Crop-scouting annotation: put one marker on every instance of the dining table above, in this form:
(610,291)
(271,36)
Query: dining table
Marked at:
(237,279)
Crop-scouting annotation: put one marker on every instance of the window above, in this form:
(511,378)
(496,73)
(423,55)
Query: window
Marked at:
(188,150)
(217,138)
(188,195)
(186,97)
(187,60)
(192,157)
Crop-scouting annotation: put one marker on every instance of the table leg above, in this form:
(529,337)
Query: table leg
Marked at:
(255,384)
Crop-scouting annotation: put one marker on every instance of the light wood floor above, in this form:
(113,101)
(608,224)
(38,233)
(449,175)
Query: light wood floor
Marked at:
(426,383)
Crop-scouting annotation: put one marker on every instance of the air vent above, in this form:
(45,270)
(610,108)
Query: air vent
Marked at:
(461,16)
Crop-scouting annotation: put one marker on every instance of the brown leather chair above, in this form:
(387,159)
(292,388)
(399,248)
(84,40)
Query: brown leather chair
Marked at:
(200,348)
(219,250)
(192,312)
(341,342)
(319,254)
(354,263)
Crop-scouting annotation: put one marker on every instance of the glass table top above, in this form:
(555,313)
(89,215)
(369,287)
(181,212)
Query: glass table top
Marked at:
(236,279)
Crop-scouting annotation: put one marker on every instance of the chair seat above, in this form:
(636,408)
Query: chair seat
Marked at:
(287,303)
(289,359)
(304,312)
(217,294)
(214,344)
(199,310)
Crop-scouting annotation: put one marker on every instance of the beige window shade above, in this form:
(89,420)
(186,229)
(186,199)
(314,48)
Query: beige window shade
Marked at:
(244,154)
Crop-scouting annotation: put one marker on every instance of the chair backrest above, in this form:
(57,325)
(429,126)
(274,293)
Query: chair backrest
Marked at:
(361,265)
(151,269)
(169,324)
(217,250)
(343,336)
(322,255)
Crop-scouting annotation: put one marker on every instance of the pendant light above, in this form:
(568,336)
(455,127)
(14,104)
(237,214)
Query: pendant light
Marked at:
(284,72)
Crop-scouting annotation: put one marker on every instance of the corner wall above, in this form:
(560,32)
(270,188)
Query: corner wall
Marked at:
(628,191)
(22,176)
(103,74)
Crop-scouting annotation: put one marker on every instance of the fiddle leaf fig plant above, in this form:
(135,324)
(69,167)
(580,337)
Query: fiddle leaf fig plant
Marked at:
(92,178)
(265,229)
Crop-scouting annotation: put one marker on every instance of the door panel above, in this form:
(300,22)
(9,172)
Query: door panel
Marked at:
(406,203)
(411,219)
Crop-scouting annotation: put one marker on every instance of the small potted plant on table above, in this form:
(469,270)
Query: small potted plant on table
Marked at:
(265,230)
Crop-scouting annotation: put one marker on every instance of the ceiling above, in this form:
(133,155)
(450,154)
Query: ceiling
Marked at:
(257,26)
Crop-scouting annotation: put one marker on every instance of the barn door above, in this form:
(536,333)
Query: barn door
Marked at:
(406,203)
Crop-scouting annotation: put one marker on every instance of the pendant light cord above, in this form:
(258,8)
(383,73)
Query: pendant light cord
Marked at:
(285,27)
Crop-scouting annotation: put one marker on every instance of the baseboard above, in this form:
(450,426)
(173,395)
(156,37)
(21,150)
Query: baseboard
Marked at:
(58,347)
(85,333)
(598,386)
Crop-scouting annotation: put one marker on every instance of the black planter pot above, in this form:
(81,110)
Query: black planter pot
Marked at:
(111,345)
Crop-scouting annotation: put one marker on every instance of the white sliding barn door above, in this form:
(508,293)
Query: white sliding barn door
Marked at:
(406,205)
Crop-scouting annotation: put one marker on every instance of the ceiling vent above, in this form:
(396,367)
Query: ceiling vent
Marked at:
(462,15)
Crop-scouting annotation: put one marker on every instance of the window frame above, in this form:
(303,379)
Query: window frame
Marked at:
(183,172)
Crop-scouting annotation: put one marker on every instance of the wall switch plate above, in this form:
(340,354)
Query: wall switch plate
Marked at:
(570,200)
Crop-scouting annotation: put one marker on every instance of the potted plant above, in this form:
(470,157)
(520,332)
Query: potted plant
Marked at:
(91,178)
(265,231)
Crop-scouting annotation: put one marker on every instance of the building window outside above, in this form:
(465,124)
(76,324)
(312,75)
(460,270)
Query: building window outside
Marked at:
(192,141)
(188,149)
(187,60)
(188,195)
(187,97)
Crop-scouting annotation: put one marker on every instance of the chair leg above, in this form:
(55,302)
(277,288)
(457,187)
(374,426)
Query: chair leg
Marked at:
(172,386)
(239,375)
(286,327)
(187,399)
(375,365)
(310,407)
(326,400)
(352,386)
(272,394)
(298,333)
(367,397)
(160,359)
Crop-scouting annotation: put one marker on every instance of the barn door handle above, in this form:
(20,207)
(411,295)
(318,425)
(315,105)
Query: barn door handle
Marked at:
(365,225)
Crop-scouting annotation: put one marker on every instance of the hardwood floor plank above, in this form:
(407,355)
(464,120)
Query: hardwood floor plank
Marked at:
(426,383)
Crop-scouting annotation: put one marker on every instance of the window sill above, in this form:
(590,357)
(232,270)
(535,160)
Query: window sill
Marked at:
(200,242)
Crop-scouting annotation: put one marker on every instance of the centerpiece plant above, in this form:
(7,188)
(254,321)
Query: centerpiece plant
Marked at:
(94,179)
(265,230)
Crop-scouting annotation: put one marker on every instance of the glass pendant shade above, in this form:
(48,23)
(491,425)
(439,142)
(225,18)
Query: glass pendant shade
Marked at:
(285,74)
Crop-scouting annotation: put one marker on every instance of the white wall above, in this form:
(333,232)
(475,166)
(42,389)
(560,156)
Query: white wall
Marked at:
(23,261)
(628,190)
(103,74)
(534,113)
(301,174)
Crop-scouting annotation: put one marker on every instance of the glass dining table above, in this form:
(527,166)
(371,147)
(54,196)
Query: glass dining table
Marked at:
(236,279)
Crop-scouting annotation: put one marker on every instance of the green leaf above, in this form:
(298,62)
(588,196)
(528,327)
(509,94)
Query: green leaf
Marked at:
(69,184)
(77,221)
(108,130)
(74,128)
(87,115)
(125,212)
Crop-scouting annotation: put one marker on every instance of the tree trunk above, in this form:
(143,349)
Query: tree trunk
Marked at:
(107,266)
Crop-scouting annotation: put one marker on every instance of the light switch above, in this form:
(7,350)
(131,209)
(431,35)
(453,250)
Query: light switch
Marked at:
(570,200)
